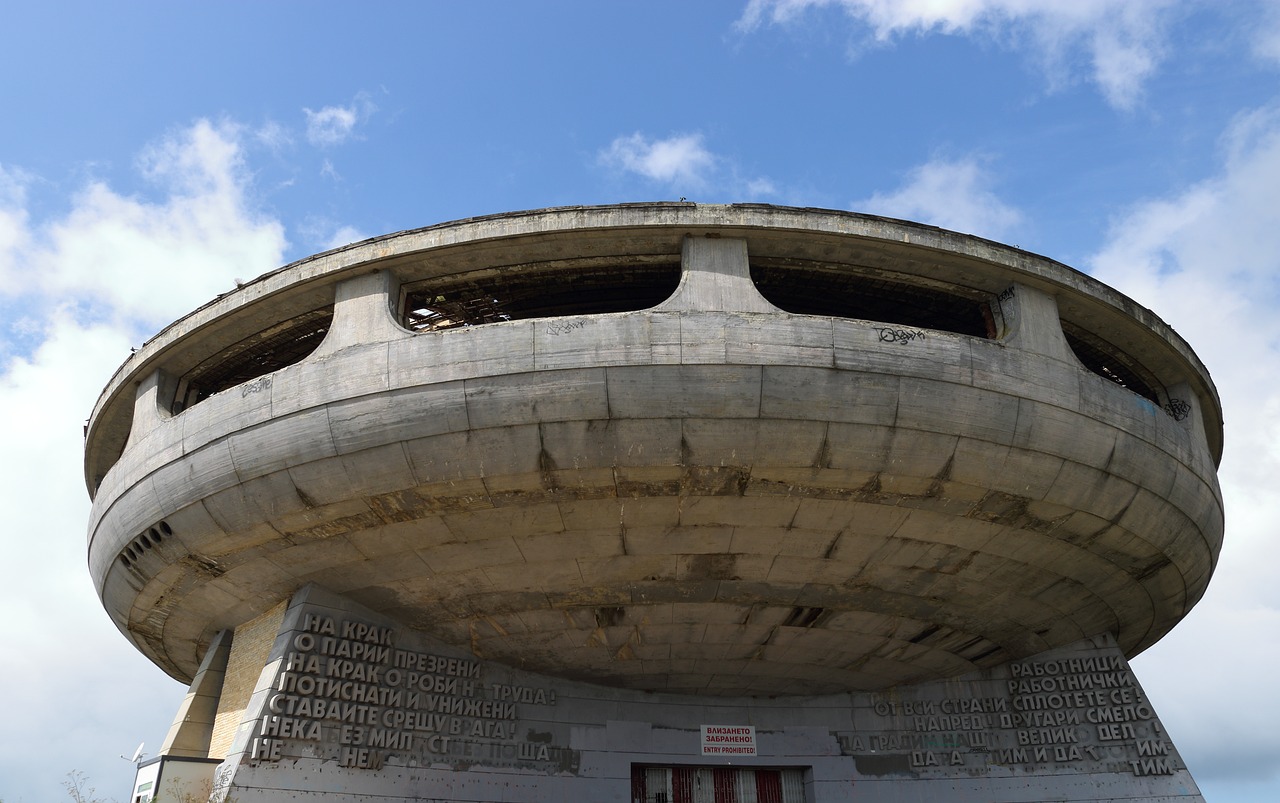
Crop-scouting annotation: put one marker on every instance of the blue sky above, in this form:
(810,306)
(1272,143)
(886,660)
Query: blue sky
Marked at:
(153,153)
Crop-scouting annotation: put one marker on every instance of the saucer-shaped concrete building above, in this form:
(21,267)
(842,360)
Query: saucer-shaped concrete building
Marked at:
(660,502)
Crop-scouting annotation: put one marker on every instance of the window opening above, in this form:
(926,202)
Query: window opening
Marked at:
(1109,362)
(845,294)
(284,344)
(449,303)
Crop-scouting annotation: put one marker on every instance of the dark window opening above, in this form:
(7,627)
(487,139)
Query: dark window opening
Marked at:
(807,291)
(284,344)
(1110,363)
(449,303)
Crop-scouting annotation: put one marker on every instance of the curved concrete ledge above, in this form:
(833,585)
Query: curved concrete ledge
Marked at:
(658,499)
(624,232)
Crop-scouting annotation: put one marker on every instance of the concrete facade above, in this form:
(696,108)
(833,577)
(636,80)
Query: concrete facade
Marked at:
(356,706)
(708,505)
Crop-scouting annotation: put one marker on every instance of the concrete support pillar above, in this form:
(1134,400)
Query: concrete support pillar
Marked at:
(716,278)
(363,313)
(1031,322)
(151,404)
(192,727)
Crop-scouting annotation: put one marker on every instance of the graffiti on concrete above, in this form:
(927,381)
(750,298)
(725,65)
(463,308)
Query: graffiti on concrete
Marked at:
(890,335)
(563,327)
(1178,409)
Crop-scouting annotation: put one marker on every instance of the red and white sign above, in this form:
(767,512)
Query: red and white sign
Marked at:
(728,740)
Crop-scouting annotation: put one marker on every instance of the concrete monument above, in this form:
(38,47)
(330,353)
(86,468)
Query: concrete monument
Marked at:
(659,502)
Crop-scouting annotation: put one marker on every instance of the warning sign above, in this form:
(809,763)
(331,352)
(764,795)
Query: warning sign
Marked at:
(728,740)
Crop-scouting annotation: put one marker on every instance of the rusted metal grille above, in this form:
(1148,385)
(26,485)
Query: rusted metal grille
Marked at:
(451,302)
(284,344)
(805,291)
(1109,362)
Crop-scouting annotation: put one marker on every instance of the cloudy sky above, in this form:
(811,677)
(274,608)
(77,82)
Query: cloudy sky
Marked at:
(151,154)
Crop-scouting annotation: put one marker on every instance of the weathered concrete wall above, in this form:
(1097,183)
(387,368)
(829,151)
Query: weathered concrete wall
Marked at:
(621,232)
(354,707)
(703,477)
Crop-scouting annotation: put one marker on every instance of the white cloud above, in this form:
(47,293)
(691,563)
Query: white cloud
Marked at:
(1123,39)
(1207,260)
(758,187)
(345,235)
(55,628)
(678,158)
(274,136)
(143,260)
(13,223)
(1266,32)
(320,233)
(334,125)
(683,163)
(951,194)
(78,291)
(204,159)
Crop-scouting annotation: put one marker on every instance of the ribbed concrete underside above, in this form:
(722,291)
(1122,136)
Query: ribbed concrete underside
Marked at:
(790,543)
(711,496)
